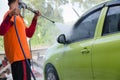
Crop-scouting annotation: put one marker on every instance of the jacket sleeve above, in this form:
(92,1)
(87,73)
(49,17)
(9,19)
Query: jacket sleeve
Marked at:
(5,25)
(30,31)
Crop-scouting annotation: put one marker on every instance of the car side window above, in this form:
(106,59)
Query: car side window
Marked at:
(86,28)
(112,21)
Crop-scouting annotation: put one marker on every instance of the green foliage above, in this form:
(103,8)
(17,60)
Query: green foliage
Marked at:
(45,34)
(1,43)
(46,31)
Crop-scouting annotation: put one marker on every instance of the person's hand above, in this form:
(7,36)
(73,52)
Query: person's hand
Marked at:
(14,12)
(37,14)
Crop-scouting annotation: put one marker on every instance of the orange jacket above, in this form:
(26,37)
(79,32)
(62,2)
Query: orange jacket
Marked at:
(11,44)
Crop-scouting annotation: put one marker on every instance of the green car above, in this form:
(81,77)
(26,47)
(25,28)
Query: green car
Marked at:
(91,51)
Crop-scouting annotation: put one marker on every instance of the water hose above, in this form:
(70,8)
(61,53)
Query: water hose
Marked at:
(27,62)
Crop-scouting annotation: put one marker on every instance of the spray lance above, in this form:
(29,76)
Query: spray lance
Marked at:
(24,6)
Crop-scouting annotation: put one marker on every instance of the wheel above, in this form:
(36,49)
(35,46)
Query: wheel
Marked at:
(50,73)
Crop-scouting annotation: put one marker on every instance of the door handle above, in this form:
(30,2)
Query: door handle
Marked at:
(85,51)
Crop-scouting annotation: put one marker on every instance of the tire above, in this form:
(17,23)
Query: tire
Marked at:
(50,73)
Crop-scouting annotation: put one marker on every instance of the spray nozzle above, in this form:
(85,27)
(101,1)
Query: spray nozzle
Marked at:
(24,6)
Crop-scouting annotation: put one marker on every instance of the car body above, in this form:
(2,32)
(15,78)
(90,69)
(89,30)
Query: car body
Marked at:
(91,51)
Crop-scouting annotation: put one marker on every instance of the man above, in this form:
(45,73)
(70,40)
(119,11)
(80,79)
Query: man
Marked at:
(12,48)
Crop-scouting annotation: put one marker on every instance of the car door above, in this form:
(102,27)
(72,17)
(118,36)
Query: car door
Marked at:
(106,49)
(76,59)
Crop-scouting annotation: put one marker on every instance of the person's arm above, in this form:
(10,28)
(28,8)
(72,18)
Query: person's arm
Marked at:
(30,31)
(5,25)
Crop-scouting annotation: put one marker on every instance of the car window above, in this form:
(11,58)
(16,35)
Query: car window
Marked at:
(112,21)
(86,28)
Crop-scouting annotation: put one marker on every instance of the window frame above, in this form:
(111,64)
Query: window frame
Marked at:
(109,6)
(81,20)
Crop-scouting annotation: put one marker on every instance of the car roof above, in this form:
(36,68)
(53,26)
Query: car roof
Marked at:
(113,3)
(97,8)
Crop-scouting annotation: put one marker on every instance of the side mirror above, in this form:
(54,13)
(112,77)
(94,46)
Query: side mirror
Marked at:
(62,39)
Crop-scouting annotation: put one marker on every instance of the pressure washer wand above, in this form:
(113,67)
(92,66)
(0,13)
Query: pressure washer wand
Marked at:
(47,19)
(24,6)
(30,9)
